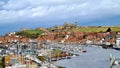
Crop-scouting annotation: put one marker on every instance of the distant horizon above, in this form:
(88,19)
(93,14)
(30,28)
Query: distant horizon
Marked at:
(7,28)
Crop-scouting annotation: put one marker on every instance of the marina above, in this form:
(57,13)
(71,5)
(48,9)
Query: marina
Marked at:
(69,56)
(96,57)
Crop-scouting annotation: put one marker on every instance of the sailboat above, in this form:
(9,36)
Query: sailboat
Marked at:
(114,61)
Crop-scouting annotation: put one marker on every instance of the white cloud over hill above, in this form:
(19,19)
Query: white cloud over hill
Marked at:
(47,10)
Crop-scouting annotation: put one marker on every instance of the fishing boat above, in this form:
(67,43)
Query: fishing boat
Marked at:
(84,51)
(19,65)
(107,46)
(68,57)
(116,47)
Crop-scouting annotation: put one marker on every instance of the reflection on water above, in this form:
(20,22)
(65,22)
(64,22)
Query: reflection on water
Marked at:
(95,57)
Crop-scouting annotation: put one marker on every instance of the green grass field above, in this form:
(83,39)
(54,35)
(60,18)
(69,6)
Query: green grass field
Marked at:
(83,29)
(34,31)
(97,29)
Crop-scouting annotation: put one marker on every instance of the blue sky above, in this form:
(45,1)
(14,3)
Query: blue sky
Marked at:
(46,13)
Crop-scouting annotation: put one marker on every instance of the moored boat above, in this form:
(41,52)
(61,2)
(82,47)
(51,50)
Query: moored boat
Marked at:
(84,51)
(116,48)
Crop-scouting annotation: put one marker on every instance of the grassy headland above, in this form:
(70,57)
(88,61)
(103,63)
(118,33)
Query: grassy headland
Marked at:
(34,31)
(69,28)
(97,29)
(30,33)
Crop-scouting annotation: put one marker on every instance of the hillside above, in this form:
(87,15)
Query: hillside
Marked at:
(30,33)
(97,29)
(34,31)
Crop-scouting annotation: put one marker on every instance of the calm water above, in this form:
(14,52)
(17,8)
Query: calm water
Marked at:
(95,57)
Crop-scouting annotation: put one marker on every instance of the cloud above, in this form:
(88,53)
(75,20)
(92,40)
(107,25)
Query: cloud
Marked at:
(47,10)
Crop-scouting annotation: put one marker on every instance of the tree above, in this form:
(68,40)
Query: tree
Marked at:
(108,30)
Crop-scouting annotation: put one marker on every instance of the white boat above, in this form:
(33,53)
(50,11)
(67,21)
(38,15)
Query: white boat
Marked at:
(48,65)
(18,65)
(43,67)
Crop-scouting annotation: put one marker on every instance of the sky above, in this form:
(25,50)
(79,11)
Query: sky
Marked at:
(15,14)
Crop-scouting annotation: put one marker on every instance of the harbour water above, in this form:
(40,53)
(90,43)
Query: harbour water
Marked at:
(95,57)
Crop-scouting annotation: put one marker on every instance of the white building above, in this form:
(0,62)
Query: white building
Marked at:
(118,42)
